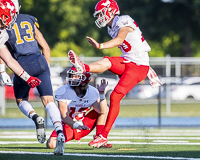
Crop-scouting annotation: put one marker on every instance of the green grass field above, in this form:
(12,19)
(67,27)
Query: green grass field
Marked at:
(142,143)
(148,143)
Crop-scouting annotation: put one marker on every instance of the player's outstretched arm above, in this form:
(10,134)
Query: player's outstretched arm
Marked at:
(111,43)
(15,67)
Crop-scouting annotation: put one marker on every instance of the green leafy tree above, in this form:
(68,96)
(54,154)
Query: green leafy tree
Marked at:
(169,28)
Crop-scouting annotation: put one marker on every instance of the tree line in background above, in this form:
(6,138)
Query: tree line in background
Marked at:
(169,28)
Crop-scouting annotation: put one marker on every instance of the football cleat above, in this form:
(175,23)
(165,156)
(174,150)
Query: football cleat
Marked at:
(73,58)
(60,145)
(98,141)
(106,146)
(41,135)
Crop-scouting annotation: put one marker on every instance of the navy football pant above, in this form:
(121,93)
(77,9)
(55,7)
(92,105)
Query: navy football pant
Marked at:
(36,66)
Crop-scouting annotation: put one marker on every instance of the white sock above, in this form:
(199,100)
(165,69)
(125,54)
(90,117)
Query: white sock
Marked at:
(32,114)
(54,115)
(25,107)
(58,126)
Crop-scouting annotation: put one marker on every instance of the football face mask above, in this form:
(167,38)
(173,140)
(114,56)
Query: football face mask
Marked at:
(74,79)
(77,79)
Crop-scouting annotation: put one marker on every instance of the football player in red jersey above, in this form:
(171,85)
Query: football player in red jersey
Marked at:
(7,18)
(133,65)
(75,101)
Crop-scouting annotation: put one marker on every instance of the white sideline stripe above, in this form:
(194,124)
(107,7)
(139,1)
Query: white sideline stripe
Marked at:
(186,138)
(161,141)
(21,142)
(111,142)
(109,137)
(157,134)
(100,155)
(154,130)
(126,133)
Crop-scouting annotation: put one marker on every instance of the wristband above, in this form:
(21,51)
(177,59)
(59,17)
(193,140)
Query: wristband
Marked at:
(2,68)
(102,96)
(24,75)
(101,46)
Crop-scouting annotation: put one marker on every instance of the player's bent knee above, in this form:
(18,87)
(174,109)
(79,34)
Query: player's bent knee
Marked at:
(47,99)
(117,95)
(104,110)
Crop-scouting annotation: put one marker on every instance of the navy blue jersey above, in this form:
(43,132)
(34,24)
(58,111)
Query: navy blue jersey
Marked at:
(24,48)
(22,36)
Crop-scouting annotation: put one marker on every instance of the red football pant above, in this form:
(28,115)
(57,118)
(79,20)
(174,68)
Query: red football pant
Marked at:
(69,133)
(130,74)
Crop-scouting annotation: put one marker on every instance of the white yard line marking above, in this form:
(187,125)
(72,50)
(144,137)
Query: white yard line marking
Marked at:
(19,142)
(156,134)
(19,137)
(125,133)
(185,138)
(109,137)
(111,142)
(101,155)
(161,141)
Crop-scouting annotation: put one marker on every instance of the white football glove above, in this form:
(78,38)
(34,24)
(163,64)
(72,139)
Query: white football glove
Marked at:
(80,125)
(6,79)
(102,86)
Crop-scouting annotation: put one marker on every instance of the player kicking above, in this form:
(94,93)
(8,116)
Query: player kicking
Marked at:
(132,67)
(23,43)
(75,100)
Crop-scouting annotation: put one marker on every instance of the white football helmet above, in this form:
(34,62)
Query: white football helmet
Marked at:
(17,7)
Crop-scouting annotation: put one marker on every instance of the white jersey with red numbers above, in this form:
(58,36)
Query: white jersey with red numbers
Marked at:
(3,38)
(77,106)
(134,48)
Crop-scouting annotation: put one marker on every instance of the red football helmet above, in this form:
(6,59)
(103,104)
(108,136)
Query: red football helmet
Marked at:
(105,11)
(78,79)
(7,13)
(17,6)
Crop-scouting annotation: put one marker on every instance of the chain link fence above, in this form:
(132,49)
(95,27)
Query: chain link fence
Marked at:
(174,104)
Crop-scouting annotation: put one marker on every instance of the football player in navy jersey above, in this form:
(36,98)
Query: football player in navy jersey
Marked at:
(23,43)
(7,18)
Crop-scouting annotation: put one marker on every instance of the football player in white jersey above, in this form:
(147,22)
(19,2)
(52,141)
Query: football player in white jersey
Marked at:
(7,18)
(133,65)
(82,107)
